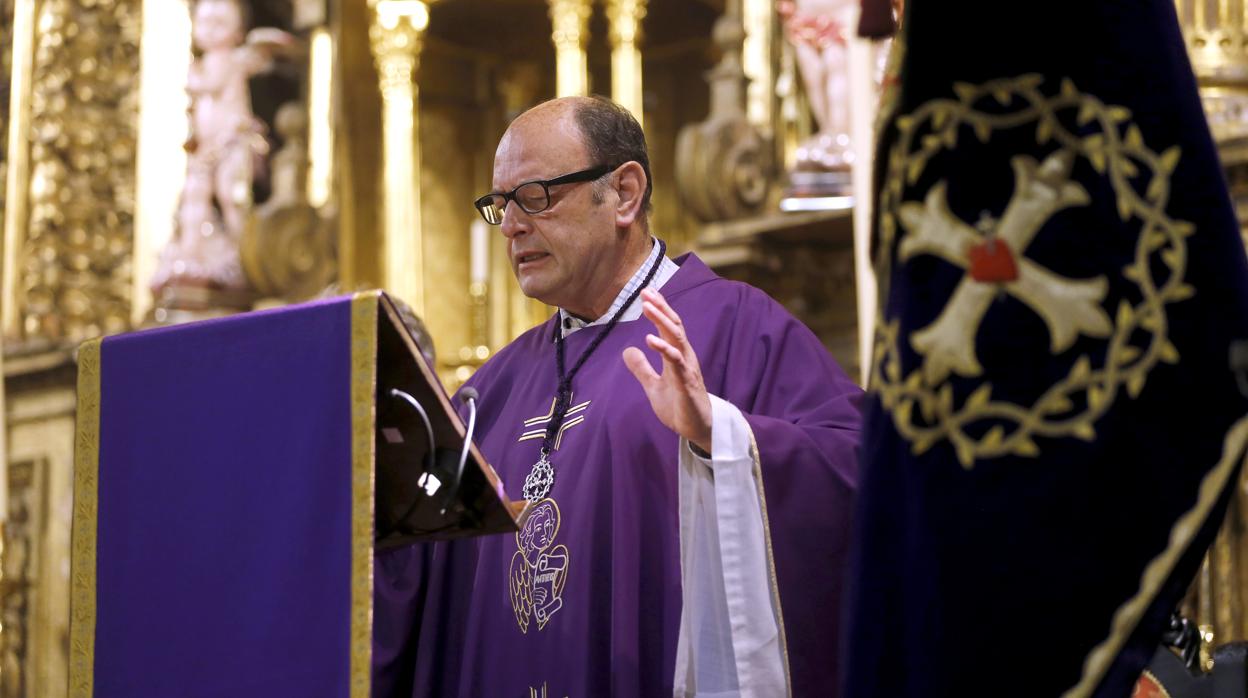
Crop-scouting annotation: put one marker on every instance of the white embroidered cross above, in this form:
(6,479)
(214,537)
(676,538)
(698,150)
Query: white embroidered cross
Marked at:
(994,262)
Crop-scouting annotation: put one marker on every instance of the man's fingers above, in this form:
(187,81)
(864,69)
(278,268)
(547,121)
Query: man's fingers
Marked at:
(671,355)
(655,297)
(670,329)
(636,362)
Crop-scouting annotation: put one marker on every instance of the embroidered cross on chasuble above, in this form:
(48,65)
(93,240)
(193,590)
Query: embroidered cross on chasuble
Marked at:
(586,599)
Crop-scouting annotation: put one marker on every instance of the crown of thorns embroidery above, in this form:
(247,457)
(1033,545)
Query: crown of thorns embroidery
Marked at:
(993,257)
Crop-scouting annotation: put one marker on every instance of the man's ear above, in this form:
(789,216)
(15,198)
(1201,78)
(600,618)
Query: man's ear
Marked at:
(630,185)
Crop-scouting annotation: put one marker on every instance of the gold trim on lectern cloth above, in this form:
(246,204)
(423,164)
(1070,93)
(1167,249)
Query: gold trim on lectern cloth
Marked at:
(363,417)
(83,538)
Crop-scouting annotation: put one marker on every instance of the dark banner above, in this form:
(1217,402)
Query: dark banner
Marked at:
(1055,415)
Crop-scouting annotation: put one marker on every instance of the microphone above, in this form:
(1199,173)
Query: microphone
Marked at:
(430,457)
(468,396)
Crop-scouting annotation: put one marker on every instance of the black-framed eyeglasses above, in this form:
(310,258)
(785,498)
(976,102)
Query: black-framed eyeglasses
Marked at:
(534,196)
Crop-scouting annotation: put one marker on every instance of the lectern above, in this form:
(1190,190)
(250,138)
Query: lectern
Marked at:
(233,479)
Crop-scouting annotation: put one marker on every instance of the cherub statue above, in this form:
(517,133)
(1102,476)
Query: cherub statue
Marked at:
(226,148)
(819,32)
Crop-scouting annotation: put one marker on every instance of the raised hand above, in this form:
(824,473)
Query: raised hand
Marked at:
(678,396)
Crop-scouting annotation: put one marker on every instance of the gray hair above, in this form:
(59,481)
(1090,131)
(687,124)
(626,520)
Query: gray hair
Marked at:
(613,137)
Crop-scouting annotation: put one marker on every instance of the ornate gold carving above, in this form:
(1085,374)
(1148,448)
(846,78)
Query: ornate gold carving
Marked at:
(569,21)
(1217,39)
(75,263)
(40,422)
(6,76)
(1216,34)
(1228,613)
(625,18)
(363,418)
(397,36)
(1138,338)
(17,582)
(86,511)
(288,250)
(1217,42)
(1218,599)
(625,33)
(724,164)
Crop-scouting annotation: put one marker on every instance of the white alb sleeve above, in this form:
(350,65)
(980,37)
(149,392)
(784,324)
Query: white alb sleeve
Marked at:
(730,643)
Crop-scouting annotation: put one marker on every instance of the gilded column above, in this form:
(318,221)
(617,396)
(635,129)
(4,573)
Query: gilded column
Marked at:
(1216,33)
(69,218)
(757,61)
(512,313)
(625,20)
(18,52)
(320,118)
(6,69)
(12,649)
(6,76)
(1217,42)
(161,171)
(397,36)
(569,20)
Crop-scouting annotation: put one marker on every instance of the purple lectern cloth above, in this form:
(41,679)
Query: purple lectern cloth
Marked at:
(224,527)
(606,562)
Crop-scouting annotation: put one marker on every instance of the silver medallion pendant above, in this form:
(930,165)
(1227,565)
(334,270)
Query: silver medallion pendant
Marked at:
(540,479)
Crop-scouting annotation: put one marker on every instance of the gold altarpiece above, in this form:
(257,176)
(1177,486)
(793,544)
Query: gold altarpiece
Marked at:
(1216,34)
(400,104)
(403,102)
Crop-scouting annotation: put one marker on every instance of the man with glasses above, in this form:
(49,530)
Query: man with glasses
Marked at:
(690,501)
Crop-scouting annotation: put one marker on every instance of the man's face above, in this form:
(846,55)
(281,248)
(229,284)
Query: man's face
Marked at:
(568,255)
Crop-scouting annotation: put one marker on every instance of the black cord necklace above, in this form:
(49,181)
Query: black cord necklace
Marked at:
(541,478)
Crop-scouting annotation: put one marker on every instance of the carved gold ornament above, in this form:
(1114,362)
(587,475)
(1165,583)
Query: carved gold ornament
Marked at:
(993,256)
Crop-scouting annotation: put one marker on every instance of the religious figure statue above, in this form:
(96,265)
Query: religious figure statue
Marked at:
(819,31)
(226,148)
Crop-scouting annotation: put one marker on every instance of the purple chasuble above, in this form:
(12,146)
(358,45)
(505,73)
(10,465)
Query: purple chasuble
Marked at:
(586,600)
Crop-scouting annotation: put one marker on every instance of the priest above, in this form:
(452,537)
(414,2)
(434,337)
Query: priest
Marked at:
(688,447)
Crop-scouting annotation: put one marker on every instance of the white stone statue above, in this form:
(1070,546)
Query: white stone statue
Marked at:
(226,148)
(819,31)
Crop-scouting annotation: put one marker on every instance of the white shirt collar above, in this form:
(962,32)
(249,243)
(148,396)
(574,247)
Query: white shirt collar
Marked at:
(667,268)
